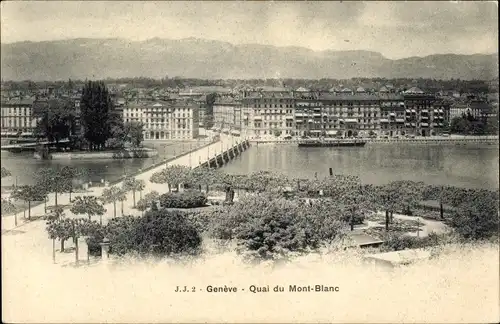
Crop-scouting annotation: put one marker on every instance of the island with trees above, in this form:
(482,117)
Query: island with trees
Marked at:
(102,132)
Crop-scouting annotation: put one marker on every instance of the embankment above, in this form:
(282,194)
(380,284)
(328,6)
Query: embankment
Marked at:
(116,154)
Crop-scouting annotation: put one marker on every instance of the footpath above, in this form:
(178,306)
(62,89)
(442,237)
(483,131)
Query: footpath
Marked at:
(32,237)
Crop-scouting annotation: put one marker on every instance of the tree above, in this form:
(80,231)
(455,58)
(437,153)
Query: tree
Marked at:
(134,133)
(88,205)
(277,133)
(353,197)
(134,185)
(121,196)
(270,227)
(387,199)
(204,177)
(59,229)
(443,194)
(7,208)
(5,173)
(72,176)
(66,228)
(148,200)
(111,194)
(262,181)
(52,180)
(121,233)
(96,107)
(163,232)
(57,120)
(172,175)
(410,193)
(28,194)
(478,218)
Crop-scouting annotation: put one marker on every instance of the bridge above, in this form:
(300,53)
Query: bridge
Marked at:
(21,146)
(223,155)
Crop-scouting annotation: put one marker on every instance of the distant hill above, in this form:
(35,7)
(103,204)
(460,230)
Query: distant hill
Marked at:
(207,59)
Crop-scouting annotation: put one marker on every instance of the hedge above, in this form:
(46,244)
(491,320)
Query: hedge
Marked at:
(186,199)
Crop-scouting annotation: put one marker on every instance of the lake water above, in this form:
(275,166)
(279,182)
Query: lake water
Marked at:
(465,166)
(23,166)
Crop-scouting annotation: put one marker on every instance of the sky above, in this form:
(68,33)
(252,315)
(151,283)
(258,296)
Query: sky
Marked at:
(395,29)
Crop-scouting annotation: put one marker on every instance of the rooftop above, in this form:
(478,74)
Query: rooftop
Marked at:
(18,102)
(414,90)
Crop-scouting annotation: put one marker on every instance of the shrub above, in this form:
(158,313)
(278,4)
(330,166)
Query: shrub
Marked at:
(163,232)
(186,199)
(478,218)
(359,218)
(268,228)
(200,219)
(395,242)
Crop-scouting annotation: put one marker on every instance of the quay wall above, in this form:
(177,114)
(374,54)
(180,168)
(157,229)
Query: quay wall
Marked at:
(118,154)
(492,140)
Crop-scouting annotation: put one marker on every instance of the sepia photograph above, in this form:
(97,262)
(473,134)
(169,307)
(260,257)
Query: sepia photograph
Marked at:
(250,162)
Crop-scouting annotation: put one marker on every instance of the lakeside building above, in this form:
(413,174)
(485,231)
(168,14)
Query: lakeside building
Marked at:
(202,109)
(336,113)
(17,117)
(459,109)
(165,120)
(425,114)
(268,113)
(228,115)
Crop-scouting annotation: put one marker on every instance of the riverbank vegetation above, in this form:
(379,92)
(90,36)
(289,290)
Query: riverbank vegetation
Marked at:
(274,216)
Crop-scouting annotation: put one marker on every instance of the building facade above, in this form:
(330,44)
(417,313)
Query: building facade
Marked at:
(336,114)
(176,120)
(17,118)
(425,115)
(228,115)
(268,113)
(333,114)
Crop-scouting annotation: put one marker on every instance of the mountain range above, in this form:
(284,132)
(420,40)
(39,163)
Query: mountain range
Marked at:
(209,59)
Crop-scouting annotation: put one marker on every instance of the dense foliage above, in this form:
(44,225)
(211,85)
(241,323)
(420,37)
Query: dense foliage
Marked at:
(125,133)
(173,176)
(477,218)
(29,194)
(66,228)
(468,125)
(278,215)
(53,181)
(270,227)
(5,173)
(112,195)
(133,185)
(96,110)
(56,119)
(148,200)
(89,205)
(186,199)
(163,232)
